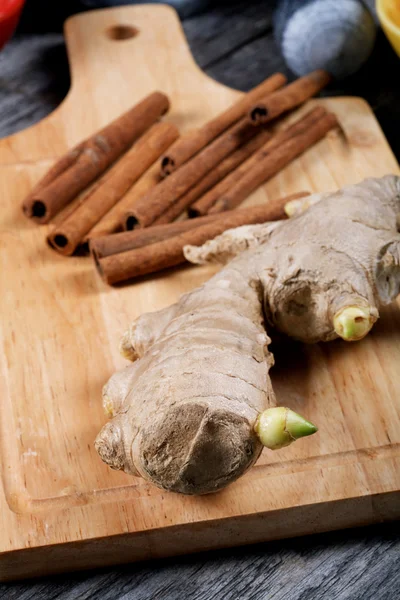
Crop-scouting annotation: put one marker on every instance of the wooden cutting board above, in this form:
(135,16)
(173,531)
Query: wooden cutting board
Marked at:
(60,507)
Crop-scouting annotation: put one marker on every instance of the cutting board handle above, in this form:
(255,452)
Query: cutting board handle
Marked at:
(107,50)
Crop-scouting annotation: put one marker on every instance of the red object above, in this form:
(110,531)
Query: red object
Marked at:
(10,11)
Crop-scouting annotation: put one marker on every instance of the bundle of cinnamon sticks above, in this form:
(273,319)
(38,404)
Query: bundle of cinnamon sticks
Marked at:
(143,176)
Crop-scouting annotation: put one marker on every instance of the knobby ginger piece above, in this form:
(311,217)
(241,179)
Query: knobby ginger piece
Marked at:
(191,414)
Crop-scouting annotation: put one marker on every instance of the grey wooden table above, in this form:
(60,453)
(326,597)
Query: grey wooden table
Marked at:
(232,42)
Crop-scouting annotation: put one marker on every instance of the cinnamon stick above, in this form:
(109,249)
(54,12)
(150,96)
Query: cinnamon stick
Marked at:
(169,252)
(205,203)
(289,97)
(66,236)
(196,140)
(55,171)
(128,240)
(273,162)
(213,177)
(173,212)
(153,204)
(112,221)
(89,159)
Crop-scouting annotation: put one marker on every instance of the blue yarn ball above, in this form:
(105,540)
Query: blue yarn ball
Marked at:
(335,35)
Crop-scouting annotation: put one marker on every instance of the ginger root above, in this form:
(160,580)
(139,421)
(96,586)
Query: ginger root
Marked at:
(191,414)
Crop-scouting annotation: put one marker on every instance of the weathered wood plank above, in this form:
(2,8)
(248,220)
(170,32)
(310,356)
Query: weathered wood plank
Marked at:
(227,27)
(34,78)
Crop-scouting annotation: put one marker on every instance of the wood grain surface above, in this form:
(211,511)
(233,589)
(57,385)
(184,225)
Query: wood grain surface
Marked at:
(366,146)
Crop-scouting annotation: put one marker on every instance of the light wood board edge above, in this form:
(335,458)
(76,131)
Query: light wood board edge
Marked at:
(198,537)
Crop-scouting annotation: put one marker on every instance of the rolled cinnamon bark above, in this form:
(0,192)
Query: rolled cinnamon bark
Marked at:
(153,204)
(213,177)
(204,204)
(82,165)
(129,240)
(169,252)
(289,97)
(273,162)
(66,237)
(114,220)
(62,164)
(193,142)
(172,213)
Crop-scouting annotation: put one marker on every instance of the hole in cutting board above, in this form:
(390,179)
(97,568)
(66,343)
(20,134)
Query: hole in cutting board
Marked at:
(121,32)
